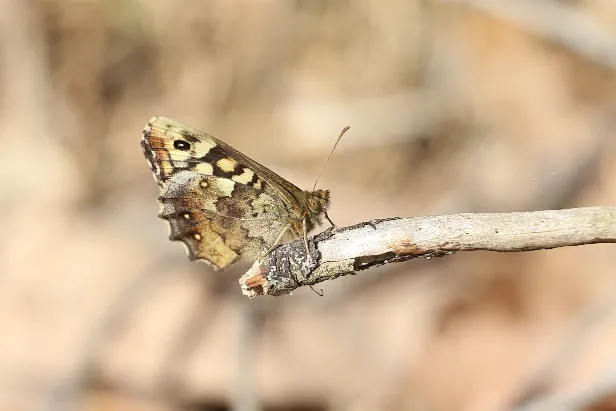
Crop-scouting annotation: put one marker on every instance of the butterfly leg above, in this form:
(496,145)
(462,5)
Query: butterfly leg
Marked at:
(330,220)
(282,233)
(305,232)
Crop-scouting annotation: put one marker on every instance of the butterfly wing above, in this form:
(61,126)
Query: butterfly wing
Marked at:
(171,147)
(221,204)
(222,221)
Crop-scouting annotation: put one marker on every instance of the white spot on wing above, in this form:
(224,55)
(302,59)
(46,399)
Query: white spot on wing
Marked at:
(202,147)
(225,186)
(204,168)
(245,177)
(226,164)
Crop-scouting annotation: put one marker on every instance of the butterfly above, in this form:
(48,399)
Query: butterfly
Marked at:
(221,204)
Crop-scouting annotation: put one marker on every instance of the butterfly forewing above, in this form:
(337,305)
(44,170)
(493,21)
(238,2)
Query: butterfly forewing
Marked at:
(176,147)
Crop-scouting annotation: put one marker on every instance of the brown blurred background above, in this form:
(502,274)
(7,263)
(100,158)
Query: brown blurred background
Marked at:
(454,106)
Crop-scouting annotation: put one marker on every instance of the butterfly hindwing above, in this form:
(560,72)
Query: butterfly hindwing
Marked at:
(219,220)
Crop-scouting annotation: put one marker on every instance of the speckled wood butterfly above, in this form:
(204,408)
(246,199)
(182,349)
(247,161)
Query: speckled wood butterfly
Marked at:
(223,205)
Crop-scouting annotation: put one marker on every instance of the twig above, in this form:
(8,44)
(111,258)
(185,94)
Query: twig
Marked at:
(343,251)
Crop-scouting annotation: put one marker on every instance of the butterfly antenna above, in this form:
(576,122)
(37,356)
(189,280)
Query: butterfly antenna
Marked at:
(344,130)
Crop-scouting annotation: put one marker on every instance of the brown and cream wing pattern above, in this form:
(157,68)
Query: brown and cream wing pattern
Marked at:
(221,204)
(171,147)
(220,221)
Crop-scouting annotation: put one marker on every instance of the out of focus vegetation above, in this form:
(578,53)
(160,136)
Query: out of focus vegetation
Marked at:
(454,106)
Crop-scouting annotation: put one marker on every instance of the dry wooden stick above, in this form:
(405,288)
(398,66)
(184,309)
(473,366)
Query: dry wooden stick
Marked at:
(348,250)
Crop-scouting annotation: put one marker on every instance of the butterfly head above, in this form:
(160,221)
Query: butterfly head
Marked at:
(318,201)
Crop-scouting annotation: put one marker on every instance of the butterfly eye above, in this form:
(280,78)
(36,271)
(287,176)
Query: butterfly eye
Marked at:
(313,203)
(181,145)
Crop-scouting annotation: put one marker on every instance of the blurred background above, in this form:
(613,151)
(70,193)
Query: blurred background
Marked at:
(454,106)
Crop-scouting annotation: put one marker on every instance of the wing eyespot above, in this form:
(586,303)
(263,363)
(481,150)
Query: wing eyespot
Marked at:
(181,145)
